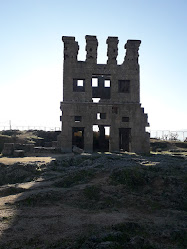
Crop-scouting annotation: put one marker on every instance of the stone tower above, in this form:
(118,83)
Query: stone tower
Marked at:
(104,97)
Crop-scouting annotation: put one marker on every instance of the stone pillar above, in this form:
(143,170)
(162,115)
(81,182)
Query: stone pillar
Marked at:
(131,57)
(112,51)
(88,139)
(114,139)
(71,49)
(101,137)
(91,48)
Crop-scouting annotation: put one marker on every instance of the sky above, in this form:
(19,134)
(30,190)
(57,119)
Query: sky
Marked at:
(31,55)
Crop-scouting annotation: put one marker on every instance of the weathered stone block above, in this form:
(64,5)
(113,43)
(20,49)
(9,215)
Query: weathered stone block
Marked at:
(8,149)
(19,153)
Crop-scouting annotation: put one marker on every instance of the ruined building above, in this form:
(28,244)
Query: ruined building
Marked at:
(104,97)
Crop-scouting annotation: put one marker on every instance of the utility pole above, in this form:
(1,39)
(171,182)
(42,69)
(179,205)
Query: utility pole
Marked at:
(10,124)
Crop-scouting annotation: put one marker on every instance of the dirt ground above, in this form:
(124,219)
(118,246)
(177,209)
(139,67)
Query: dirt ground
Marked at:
(94,201)
(8,160)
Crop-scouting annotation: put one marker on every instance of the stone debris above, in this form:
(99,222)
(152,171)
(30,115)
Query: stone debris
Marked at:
(8,149)
(19,153)
(77,150)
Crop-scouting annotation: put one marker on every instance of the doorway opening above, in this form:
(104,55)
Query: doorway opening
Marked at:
(101,137)
(124,139)
(78,137)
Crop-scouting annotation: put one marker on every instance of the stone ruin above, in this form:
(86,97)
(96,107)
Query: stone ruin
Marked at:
(21,150)
(103,97)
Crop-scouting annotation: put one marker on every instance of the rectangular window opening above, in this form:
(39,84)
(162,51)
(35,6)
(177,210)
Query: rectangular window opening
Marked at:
(98,116)
(95,128)
(94,82)
(80,82)
(96,100)
(78,119)
(107,83)
(78,85)
(125,119)
(107,130)
(101,115)
(124,86)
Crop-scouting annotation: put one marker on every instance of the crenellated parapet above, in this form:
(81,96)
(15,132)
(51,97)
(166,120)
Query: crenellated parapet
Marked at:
(132,47)
(91,48)
(71,49)
(112,51)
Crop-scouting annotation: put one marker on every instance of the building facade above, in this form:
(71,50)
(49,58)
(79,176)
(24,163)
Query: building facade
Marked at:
(103,97)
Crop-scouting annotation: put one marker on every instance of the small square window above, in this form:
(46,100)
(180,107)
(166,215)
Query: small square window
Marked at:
(94,82)
(78,118)
(107,83)
(101,115)
(80,82)
(124,86)
(78,85)
(125,119)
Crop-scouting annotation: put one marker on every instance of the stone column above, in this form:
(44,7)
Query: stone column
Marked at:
(91,49)
(112,51)
(88,139)
(71,49)
(65,139)
(132,47)
(101,137)
(114,139)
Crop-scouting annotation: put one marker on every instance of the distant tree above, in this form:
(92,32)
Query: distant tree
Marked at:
(173,136)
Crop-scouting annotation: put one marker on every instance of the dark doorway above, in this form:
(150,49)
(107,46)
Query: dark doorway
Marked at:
(78,137)
(101,136)
(124,139)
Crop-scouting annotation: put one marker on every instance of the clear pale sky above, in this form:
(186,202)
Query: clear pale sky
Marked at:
(31,54)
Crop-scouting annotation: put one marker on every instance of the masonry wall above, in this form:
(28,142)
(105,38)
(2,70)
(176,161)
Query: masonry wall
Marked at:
(118,87)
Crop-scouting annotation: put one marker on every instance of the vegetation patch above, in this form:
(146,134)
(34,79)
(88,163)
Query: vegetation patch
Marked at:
(116,237)
(92,192)
(40,199)
(74,178)
(133,177)
(18,173)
